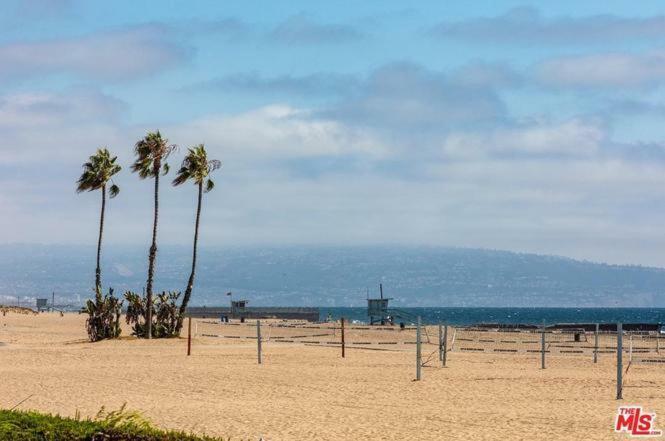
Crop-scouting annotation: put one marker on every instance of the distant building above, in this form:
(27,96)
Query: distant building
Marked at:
(42,305)
(377,309)
(238,308)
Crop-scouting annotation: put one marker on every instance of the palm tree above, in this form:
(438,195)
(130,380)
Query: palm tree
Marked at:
(97,173)
(195,167)
(151,153)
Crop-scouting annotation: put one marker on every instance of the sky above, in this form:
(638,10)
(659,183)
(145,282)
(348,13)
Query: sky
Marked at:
(532,127)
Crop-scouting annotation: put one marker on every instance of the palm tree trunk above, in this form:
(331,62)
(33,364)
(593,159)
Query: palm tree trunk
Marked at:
(190,283)
(153,252)
(98,270)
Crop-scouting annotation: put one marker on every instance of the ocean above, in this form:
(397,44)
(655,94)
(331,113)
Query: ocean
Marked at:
(470,316)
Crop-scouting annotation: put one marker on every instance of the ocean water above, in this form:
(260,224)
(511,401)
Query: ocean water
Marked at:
(470,316)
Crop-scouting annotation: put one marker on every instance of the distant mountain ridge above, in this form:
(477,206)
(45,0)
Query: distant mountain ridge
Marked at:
(336,276)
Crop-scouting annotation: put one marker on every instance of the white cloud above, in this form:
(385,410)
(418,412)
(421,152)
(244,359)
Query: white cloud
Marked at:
(405,96)
(58,126)
(525,25)
(574,137)
(604,70)
(277,131)
(113,55)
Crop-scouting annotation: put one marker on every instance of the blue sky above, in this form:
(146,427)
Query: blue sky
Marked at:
(513,125)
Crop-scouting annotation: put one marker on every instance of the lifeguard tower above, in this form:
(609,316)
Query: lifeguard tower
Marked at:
(42,305)
(377,309)
(239,309)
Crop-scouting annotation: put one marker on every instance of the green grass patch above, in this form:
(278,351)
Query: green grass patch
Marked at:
(120,425)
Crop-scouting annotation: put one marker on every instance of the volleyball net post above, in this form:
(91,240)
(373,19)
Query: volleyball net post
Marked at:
(418,350)
(189,336)
(542,346)
(342,333)
(440,343)
(595,343)
(258,340)
(619,361)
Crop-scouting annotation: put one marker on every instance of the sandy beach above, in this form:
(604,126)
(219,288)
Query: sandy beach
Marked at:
(304,391)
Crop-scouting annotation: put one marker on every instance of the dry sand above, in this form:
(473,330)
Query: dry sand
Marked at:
(309,392)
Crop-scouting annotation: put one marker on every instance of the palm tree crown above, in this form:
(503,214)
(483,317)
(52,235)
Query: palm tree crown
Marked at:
(197,167)
(150,152)
(98,171)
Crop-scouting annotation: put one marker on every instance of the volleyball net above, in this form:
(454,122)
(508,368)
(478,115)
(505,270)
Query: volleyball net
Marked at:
(330,334)
(638,347)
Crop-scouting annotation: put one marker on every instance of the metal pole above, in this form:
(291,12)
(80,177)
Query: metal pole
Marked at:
(595,344)
(418,350)
(440,343)
(445,344)
(258,338)
(542,347)
(342,337)
(619,361)
(189,336)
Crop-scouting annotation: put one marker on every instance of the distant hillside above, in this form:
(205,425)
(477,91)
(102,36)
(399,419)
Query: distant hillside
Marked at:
(328,276)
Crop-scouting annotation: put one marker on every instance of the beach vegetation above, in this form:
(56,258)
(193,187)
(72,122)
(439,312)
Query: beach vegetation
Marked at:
(196,167)
(164,315)
(103,316)
(104,310)
(118,425)
(151,154)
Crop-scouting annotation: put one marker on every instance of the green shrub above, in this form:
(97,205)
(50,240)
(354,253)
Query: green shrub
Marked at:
(165,314)
(103,316)
(119,425)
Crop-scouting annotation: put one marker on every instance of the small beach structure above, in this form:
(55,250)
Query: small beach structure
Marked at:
(239,309)
(42,305)
(377,309)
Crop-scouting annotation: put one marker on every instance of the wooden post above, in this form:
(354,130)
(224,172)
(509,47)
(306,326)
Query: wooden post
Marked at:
(445,344)
(418,349)
(619,361)
(542,347)
(630,353)
(657,344)
(189,336)
(595,344)
(440,343)
(258,338)
(342,337)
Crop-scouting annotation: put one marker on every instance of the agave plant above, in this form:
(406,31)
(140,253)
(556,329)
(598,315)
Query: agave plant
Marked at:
(168,315)
(103,316)
(165,314)
(136,314)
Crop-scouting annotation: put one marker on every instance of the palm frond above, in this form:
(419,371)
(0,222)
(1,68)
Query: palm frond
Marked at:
(114,190)
(97,172)
(197,168)
(150,152)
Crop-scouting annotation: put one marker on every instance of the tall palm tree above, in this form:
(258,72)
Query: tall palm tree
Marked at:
(97,173)
(196,167)
(151,153)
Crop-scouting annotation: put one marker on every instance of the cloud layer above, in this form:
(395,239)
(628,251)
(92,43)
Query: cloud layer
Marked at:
(111,55)
(525,25)
(413,141)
